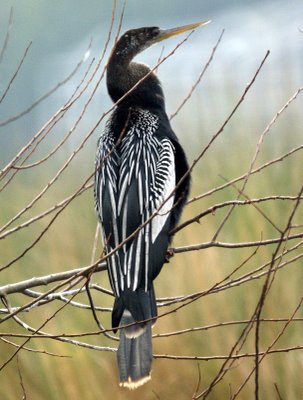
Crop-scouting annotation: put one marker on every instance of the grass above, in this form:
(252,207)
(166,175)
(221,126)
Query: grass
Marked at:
(87,374)
(91,374)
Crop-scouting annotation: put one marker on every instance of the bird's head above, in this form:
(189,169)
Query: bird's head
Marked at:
(123,74)
(135,41)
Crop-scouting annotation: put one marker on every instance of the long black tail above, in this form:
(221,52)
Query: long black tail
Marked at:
(134,353)
(135,349)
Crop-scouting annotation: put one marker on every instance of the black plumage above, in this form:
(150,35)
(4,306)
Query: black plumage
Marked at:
(139,163)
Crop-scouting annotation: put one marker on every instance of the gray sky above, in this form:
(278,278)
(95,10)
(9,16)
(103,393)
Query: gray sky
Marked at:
(61,31)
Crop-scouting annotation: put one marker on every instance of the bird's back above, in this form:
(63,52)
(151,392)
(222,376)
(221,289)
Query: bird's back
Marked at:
(135,174)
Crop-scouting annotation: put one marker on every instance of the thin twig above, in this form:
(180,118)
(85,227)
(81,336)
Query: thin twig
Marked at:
(258,148)
(24,397)
(15,73)
(47,94)
(211,210)
(255,171)
(193,88)
(7,35)
(206,245)
(227,357)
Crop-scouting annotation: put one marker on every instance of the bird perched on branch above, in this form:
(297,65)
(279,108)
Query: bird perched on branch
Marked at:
(141,186)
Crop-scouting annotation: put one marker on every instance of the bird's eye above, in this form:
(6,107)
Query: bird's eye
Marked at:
(155,31)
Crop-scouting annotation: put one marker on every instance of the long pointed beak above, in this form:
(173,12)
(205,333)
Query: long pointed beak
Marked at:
(167,33)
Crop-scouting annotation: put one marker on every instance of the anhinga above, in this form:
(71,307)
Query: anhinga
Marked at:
(139,163)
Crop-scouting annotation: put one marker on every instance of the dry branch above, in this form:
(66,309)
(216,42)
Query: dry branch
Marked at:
(69,284)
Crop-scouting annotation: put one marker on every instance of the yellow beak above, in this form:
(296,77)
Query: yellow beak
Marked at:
(167,33)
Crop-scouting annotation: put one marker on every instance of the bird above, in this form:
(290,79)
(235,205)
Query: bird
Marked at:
(141,184)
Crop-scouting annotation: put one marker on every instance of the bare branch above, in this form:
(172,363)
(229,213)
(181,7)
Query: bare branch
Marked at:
(46,280)
(24,396)
(7,35)
(215,207)
(235,180)
(206,245)
(15,73)
(263,264)
(227,357)
(48,94)
(193,88)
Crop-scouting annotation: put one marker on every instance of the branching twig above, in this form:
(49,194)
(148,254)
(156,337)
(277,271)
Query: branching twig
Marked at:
(64,287)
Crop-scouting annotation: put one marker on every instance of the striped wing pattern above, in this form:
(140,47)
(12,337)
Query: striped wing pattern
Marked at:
(132,181)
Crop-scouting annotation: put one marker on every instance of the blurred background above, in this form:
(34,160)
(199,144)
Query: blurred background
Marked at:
(61,32)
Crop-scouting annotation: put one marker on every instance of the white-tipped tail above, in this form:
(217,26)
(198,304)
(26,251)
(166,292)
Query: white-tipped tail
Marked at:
(134,353)
(131,385)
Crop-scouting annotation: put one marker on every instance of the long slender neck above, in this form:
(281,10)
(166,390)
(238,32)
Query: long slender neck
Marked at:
(123,74)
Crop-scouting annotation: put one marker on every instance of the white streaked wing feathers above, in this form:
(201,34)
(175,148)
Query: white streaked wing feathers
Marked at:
(148,163)
(166,183)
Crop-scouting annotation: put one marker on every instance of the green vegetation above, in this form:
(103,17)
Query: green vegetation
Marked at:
(89,374)
(49,369)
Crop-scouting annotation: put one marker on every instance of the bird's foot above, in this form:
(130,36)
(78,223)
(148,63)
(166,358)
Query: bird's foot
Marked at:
(169,254)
